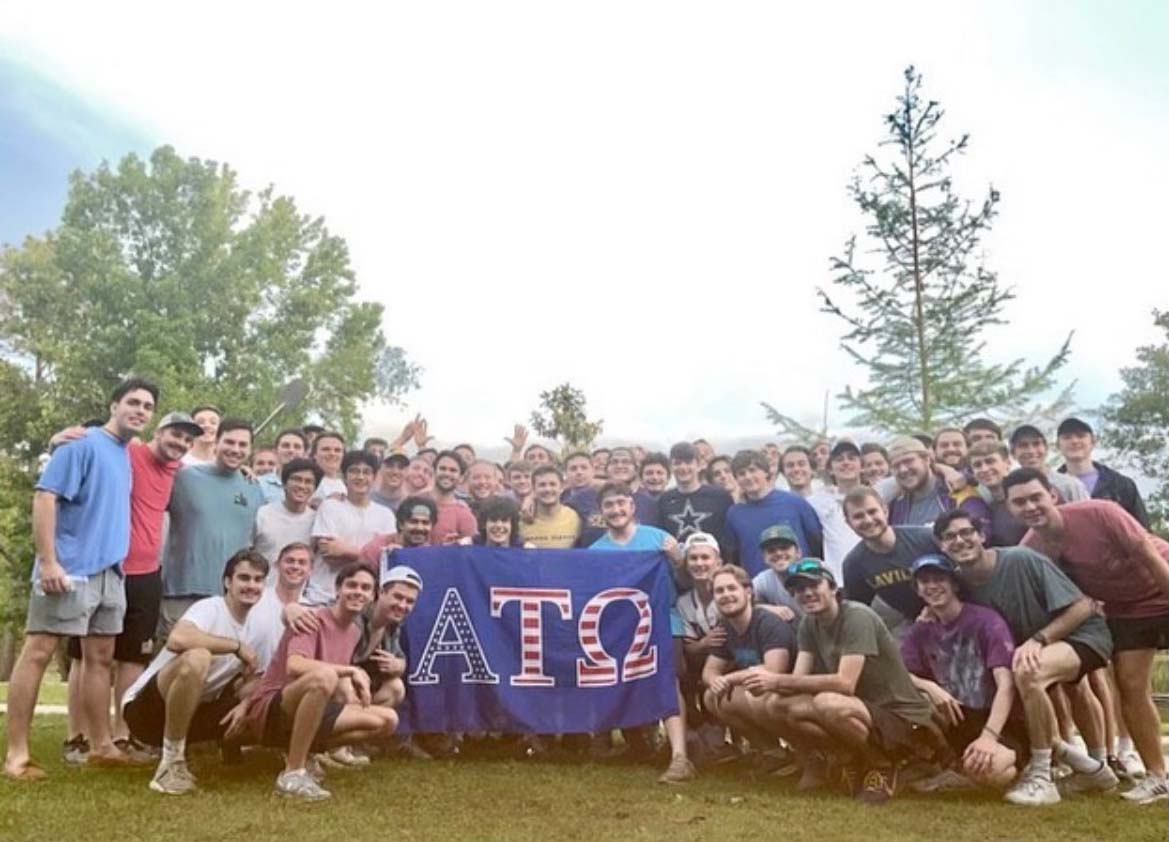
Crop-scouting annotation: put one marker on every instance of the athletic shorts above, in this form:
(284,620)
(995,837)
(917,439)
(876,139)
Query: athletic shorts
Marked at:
(135,645)
(901,740)
(970,728)
(1139,632)
(1090,659)
(94,608)
(145,716)
(278,727)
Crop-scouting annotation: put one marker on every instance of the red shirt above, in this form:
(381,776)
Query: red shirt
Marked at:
(453,517)
(149,495)
(1098,551)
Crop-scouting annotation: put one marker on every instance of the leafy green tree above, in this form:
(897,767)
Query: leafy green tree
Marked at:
(916,320)
(563,417)
(1137,419)
(170,270)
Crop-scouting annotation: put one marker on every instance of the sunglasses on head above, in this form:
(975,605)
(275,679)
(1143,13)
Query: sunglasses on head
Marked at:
(805,566)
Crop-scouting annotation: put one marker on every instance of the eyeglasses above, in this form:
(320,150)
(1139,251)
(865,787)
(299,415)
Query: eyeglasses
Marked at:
(964,534)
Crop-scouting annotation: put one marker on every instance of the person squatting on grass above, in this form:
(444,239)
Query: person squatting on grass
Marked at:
(994,589)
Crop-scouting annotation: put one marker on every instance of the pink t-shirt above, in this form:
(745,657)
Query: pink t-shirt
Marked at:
(330,643)
(455,517)
(1099,551)
(153,480)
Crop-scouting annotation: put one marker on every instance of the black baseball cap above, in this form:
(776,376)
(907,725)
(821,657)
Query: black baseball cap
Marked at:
(1073,426)
(844,446)
(399,459)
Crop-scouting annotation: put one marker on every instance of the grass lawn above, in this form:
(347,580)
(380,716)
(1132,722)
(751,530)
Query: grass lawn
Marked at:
(499,799)
(53,692)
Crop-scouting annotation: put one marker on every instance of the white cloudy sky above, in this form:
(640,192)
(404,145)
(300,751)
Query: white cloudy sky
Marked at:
(642,197)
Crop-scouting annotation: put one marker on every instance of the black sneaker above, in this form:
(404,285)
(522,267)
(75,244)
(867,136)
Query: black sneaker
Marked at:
(878,785)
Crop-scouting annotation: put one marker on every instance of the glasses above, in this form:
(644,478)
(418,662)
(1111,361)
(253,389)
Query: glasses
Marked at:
(964,534)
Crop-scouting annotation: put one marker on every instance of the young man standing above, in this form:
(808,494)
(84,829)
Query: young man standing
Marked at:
(328,450)
(849,695)
(212,512)
(921,496)
(950,448)
(455,518)
(881,564)
(623,532)
(295,707)
(290,519)
(1029,448)
(654,474)
(1118,562)
(962,661)
(186,693)
(751,639)
(390,489)
(1076,442)
(990,463)
(780,547)
(764,506)
(978,430)
(796,465)
(578,470)
(81,529)
(554,526)
(692,506)
(342,527)
(1060,640)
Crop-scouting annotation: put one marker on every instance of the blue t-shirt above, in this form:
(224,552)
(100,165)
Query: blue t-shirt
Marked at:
(91,478)
(211,517)
(748,519)
(586,503)
(648,538)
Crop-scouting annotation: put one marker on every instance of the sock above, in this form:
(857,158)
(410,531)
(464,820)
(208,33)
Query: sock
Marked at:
(1124,744)
(1041,763)
(173,750)
(1080,761)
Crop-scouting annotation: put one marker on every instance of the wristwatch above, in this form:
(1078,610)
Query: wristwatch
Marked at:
(1040,638)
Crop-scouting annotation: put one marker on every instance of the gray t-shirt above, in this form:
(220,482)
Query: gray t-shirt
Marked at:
(868,574)
(884,681)
(769,590)
(1029,591)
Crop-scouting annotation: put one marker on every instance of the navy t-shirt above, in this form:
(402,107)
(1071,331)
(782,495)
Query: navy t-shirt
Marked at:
(764,632)
(701,510)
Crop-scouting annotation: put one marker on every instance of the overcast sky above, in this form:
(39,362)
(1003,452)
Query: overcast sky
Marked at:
(640,198)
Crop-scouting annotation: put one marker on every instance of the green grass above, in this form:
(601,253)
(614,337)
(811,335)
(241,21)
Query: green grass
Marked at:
(508,800)
(53,692)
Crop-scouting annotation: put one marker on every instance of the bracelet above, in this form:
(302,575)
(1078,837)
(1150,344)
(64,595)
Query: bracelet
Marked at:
(992,732)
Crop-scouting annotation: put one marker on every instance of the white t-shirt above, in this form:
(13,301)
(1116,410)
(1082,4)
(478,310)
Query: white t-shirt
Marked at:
(210,616)
(329,486)
(353,525)
(838,535)
(265,627)
(276,527)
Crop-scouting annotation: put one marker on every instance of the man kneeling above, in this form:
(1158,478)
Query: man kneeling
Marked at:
(312,695)
(189,692)
(849,695)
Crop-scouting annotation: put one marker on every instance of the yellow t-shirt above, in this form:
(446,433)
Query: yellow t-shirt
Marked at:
(558,532)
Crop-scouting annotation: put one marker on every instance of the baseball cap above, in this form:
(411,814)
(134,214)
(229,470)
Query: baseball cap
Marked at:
(844,446)
(399,459)
(807,569)
(934,561)
(1073,426)
(684,451)
(402,573)
(700,539)
(1026,432)
(904,446)
(181,420)
(778,533)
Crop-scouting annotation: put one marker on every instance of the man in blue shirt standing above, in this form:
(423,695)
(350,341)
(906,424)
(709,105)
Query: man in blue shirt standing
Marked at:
(81,529)
(763,506)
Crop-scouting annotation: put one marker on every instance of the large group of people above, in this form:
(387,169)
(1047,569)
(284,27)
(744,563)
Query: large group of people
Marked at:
(947,612)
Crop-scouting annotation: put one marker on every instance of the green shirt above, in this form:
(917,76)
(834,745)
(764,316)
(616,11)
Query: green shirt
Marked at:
(1029,591)
(884,680)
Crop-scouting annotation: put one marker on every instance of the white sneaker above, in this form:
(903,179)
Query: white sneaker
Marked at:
(346,756)
(1149,790)
(1033,791)
(173,778)
(1131,764)
(1102,780)
(301,786)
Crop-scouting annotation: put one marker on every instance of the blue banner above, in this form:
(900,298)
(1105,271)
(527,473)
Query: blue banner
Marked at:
(537,641)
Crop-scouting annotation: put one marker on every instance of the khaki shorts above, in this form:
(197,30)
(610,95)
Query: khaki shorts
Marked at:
(94,607)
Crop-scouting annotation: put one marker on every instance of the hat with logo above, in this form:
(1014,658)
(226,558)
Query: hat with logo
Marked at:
(182,421)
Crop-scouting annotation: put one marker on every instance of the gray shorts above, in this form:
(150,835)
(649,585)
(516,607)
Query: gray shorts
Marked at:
(94,607)
(169,613)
